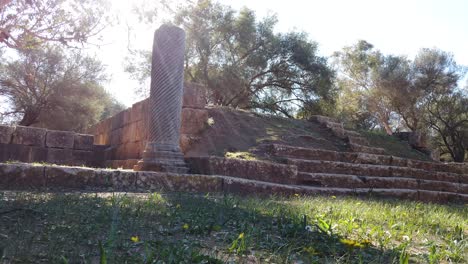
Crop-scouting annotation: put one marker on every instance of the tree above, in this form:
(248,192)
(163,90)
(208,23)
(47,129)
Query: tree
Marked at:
(359,69)
(52,89)
(28,23)
(244,64)
(448,116)
(392,88)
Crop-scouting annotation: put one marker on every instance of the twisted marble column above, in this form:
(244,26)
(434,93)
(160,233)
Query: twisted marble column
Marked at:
(162,152)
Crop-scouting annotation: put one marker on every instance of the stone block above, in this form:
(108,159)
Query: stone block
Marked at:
(417,139)
(187,141)
(127,116)
(68,177)
(59,156)
(194,95)
(128,133)
(83,142)
(38,154)
(98,156)
(124,180)
(248,187)
(6,134)
(15,152)
(60,139)
(117,121)
(438,197)
(194,121)
(438,186)
(254,170)
(137,110)
(82,158)
(102,179)
(178,182)
(29,136)
(21,176)
(110,153)
(132,150)
(116,137)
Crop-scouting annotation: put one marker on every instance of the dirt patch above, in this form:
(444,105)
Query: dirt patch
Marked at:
(233,130)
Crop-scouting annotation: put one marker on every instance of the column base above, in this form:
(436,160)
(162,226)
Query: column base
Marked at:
(162,158)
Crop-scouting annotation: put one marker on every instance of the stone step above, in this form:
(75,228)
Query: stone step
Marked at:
(248,169)
(249,187)
(277,150)
(336,167)
(20,176)
(353,181)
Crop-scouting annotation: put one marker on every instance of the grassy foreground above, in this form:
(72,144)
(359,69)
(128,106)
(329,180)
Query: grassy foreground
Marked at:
(189,228)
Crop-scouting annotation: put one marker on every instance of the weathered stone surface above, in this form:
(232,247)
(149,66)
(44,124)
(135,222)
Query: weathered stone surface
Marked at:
(439,197)
(60,139)
(254,170)
(59,156)
(352,181)
(38,154)
(124,180)
(82,158)
(251,187)
(116,137)
(438,186)
(193,95)
(178,182)
(21,176)
(314,166)
(194,121)
(6,134)
(117,121)
(127,117)
(15,152)
(102,179)
(187,141)
(83,142)
(68,177)
(29,136)
(98,155)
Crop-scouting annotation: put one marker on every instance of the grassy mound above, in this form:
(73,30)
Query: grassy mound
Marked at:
(189,228)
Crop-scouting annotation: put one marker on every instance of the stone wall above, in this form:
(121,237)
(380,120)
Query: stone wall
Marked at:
(126,133)
(30,144)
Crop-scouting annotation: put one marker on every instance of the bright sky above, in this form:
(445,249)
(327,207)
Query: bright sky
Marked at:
(393,26)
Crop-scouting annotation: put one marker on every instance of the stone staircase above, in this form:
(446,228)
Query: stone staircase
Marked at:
(382,175)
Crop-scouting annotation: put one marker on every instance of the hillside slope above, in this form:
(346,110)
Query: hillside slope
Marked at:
(241,131)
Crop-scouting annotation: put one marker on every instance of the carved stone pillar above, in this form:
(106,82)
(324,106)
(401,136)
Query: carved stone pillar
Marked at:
(162,152)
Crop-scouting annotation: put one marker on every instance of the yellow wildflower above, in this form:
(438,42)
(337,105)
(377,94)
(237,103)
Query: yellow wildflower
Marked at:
(185,226)
(135,239)
(241,235)
(351,243)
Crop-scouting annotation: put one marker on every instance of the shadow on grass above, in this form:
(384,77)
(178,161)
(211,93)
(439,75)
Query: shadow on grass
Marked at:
(170,228)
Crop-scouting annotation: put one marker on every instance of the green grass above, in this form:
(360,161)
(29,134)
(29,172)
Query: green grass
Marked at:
(393,146)
(190,228)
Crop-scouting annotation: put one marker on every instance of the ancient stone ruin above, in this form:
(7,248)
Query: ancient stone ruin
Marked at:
(167,139)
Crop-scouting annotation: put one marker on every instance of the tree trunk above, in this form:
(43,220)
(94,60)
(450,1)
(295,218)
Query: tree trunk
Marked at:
(29,118)
(459,154)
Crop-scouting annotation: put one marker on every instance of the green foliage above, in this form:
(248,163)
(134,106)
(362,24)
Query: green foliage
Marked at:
(389,91)
(447,115)
(50,88)
(245,64)
(26,24)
